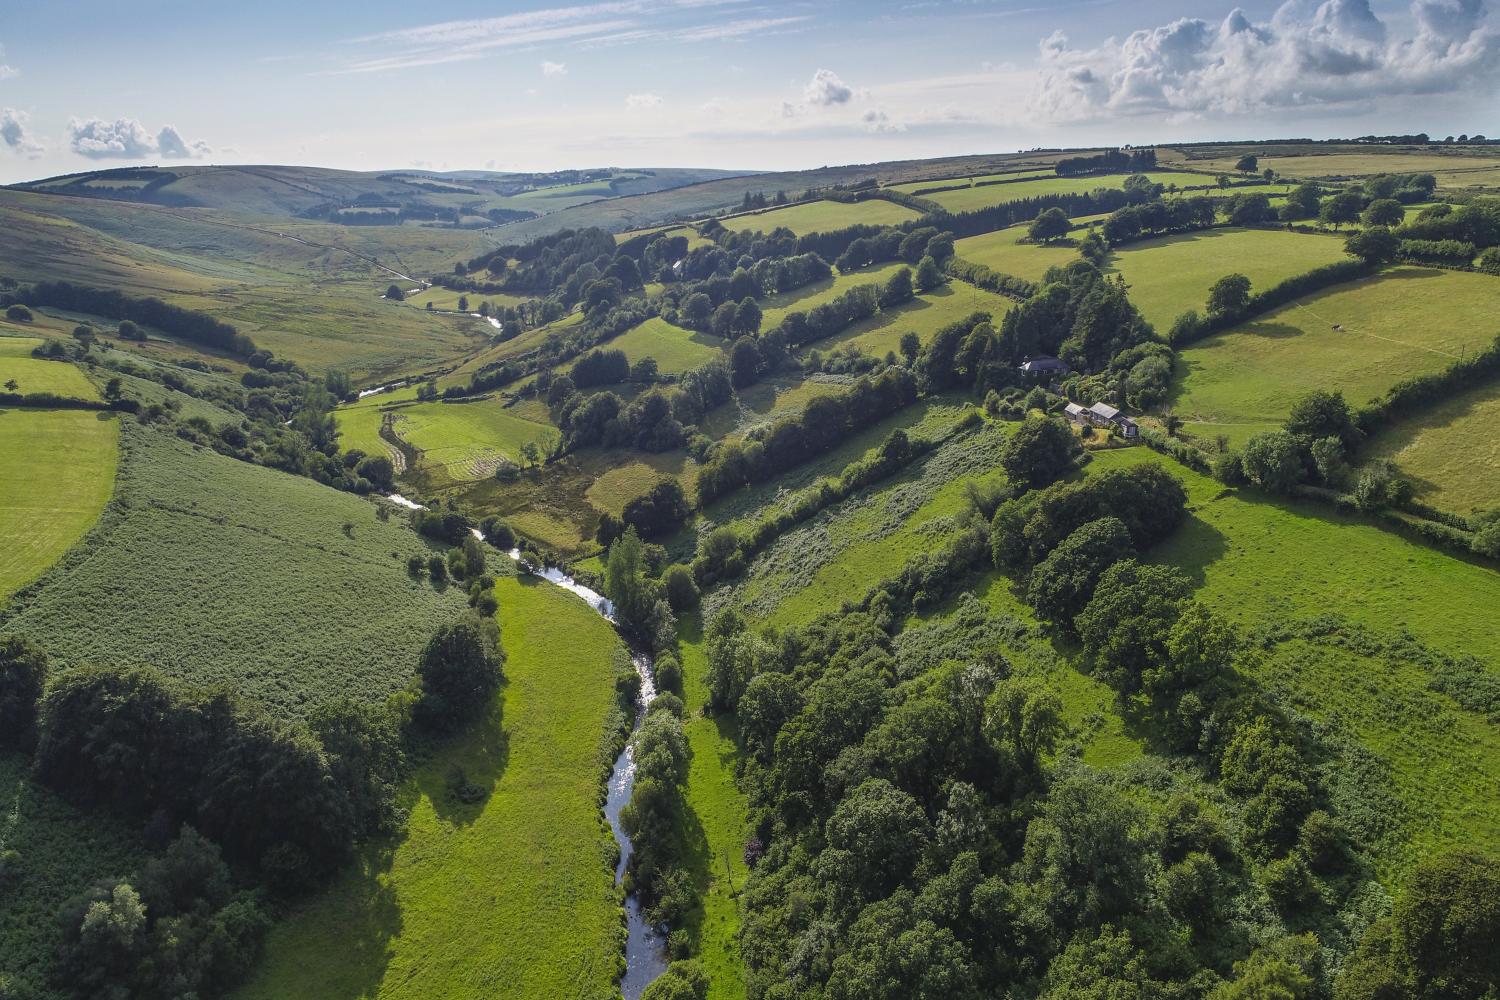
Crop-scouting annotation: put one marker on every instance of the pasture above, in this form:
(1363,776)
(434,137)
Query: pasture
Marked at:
(675,349)
(1002,251)
(718,824)
(57,470)
(511,897)
(1360,338)
(1358,618)
(1450,452)
(467,440)
(1171,275)
(767,401)
(447,298)
(823,216)
(224,572)
(28,375)
(1456,169)
(971,198)
(774,308)
(924,315)
(912,187)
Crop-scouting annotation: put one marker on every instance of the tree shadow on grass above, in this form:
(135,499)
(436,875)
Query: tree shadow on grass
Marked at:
(460,774)
(369,919)
(1193,547)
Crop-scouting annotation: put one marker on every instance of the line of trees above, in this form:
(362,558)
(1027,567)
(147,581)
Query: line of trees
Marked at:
(189,324)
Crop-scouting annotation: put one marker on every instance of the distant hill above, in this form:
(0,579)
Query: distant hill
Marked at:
(472,199)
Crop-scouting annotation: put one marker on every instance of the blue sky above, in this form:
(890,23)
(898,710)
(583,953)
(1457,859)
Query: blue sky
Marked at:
(727,83)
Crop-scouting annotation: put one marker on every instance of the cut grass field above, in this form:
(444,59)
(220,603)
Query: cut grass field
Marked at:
(1403,322)
(676,350)
(1171,275)
(466,441)
(512,897)
(971,198)
(823,216)
(1451,452)
(912,187)
(35,375)
(224,572)
(57,470)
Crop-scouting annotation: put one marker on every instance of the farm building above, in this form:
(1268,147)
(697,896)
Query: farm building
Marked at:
(1044,366)
(1104,415)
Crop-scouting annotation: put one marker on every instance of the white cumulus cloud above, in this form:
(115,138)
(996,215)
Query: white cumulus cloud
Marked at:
(825,88)
(14,132)
(639,102)
(550,68)
(126,138)
(174,147)
(1337,52)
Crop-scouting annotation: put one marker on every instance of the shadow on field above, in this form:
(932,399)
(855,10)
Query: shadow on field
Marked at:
(462,774)
(1271,331)
(703,866)
(370,918)
(1195,546)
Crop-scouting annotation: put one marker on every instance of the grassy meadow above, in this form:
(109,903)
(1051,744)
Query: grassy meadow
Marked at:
(969,199)
(924,316)
(1003,252)
(823,216)
(27,375)
(464,441)
(1450,452)
(224,572)
(510,897)
(1456,169)
(1171,275)
(1403,322)
(57,470)
(675,349)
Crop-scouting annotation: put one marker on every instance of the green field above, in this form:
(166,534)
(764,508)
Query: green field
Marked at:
(1450,452)
(718,826)
(767,401)
(1458,169)
(823,216)
(512,897)
(468,440)
(911,187)
(971,198)
(1171,275)
(35,375)
(1275,564)
(676,350)
(57,469)
(774,308)
(1403,322)
(225,572)
(1003,252)
(924,315)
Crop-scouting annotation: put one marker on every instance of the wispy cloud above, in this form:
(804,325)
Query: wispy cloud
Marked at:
(737,29)
(550,68)
(640,102)
(6,72)
(598,23)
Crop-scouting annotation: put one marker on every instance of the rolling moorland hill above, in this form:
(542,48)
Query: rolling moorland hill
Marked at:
(1062,573)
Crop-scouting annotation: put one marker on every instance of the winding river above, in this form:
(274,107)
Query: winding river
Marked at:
(645,945)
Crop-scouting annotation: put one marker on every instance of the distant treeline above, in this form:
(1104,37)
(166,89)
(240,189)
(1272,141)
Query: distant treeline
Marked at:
(189,324)
(1112,162)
